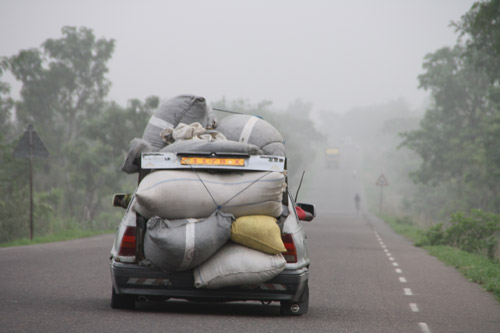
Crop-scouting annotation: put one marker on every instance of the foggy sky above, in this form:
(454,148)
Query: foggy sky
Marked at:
(334,54)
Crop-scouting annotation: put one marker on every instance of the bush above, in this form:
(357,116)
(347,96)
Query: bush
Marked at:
(434,236)
(477,232)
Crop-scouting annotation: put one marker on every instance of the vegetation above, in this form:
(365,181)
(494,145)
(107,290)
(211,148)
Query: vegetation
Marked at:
(472,260)
(475,267)
(457,139)
(64,95)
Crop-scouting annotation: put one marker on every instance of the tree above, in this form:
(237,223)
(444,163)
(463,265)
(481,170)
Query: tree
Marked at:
(62,83)
(13,182)
(458,136)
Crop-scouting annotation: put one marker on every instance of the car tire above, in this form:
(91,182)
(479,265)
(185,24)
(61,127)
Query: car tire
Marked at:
(119,301)
(290,308)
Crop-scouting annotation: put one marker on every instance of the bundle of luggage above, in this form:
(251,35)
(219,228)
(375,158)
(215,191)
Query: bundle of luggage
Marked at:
(221,224)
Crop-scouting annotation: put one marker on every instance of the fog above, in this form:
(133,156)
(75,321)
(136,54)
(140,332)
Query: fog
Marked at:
(336,55)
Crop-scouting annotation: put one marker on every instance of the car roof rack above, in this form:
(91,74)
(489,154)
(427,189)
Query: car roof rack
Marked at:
(204,160)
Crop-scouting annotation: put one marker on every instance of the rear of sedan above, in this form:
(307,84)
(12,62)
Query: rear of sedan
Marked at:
(134,279)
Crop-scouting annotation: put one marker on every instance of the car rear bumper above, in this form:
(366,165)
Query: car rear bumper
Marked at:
(132,279)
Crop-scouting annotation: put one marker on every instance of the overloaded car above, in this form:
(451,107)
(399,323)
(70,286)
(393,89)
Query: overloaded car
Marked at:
(211,219)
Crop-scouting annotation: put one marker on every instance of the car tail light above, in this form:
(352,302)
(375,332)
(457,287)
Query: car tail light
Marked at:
(291,252)
(128,244)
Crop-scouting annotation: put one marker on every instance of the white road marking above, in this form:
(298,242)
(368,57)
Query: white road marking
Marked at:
(402,280)
(391,258)
(395,264)
(399,271)
(389,254)
(414,307)
(424,327)
(385,250)
(408,292)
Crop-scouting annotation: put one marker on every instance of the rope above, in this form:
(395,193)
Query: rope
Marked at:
(234,196)
(243,190)
(206,188)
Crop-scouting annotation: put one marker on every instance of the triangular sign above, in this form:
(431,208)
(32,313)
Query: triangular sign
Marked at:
(30,145)
(382,181)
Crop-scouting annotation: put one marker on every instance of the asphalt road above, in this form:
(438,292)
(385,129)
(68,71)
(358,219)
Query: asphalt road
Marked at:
(364,278)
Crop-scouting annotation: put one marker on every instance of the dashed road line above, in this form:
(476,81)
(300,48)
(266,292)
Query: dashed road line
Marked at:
(407,291)
(424,327)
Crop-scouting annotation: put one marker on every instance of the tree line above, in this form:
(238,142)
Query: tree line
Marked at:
(458,138)
(64,88)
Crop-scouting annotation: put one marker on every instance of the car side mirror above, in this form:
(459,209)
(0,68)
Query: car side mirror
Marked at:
(121,200)
(309,209)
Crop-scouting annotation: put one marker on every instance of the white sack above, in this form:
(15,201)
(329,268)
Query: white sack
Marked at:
(177,194)
(235,265)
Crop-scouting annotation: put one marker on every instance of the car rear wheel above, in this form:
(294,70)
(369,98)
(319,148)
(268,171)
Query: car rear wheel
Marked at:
(290,308)
(119,301)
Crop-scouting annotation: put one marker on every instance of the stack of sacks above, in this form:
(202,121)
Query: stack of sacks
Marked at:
(221,224)
(185,109)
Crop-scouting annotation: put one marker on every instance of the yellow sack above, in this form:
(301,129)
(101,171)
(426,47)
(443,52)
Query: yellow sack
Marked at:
(259,232)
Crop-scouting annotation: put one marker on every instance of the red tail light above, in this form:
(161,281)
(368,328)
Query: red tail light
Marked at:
(127,246)
(291,252)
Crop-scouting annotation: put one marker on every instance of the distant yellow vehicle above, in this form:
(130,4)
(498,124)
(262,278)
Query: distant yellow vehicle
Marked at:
(332,158)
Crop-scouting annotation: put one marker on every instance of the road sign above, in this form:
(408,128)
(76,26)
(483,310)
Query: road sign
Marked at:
(30,145)
(382,181)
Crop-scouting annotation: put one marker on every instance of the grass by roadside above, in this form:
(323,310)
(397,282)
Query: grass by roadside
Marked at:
(476,268)
(57,237)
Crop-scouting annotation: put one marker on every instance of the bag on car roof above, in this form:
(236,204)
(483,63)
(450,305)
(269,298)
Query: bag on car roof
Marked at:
(185,109)
(251,129)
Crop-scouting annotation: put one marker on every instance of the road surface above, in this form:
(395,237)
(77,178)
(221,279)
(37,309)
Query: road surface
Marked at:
(363,278)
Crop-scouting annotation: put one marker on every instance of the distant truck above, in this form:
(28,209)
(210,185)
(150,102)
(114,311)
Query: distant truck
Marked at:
(332,158)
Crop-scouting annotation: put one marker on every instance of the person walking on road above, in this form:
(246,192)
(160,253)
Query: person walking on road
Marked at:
(357,202)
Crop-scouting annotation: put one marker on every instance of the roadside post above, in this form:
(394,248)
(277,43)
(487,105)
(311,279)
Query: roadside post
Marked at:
(381,182)
(28,147)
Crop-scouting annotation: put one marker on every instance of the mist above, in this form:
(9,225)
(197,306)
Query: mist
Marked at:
(336,55)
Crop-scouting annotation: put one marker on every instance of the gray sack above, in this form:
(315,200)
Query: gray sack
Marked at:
(250,129)
(132,163)
(178,245)
(185,109)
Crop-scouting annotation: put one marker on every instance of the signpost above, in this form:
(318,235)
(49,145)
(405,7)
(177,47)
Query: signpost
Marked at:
(28,147)
(381,182)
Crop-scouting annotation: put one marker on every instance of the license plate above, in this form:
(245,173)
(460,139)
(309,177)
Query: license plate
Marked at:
(212,161)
